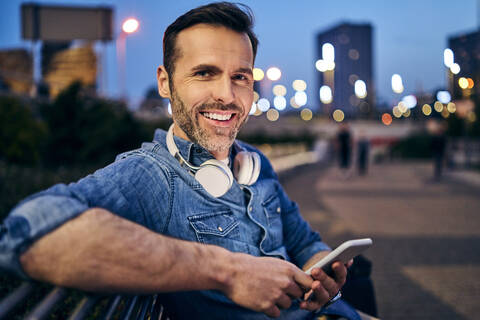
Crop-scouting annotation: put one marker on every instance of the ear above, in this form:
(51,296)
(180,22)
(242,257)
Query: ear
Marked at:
(163,82)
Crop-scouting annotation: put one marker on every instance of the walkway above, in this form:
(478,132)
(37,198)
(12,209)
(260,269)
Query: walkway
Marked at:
(426,235)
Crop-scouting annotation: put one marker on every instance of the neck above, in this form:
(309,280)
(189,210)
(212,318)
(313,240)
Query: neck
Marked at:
(219,155)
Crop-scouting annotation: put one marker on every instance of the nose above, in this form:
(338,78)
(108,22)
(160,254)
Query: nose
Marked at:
(224,91)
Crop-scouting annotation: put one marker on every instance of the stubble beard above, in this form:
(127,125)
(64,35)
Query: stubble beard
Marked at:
(218,141)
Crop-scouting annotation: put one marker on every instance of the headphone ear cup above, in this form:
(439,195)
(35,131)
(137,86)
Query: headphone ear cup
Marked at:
(257,165)
(246,167)
(215,177)
(242,167)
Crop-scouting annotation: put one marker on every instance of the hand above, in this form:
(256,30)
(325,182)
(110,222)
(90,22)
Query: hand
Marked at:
(324,287)
(266,284)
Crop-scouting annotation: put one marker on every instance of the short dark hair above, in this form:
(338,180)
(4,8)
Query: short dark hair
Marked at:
(226,14)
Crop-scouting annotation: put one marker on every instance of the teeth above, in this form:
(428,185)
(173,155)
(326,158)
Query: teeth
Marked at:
(216,116)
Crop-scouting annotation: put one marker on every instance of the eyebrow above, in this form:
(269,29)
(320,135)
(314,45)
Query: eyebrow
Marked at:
(216,69)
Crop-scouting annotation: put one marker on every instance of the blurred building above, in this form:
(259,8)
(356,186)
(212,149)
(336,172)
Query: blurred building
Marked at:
(466,49)
(353,61)
(62,65)
(16,71)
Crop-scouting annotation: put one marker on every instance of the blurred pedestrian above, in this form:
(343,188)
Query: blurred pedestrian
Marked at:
(344,148)
(363,150)
(438,146)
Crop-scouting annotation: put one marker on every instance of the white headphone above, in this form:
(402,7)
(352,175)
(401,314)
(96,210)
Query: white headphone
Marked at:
(214,175)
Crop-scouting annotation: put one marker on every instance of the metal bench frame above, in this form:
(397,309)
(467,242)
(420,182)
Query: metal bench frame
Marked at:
(133,307)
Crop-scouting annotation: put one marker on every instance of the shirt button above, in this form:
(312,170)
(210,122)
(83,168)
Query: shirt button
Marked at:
(250,209)
(279,210)
(220,229)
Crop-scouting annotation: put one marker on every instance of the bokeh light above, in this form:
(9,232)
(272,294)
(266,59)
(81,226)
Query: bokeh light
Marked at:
(448,57)
(444,97)
(321,65)
(471,84)
(130,25)
(328,52)
(402,107)
(326,94)
(353,54)
(169,108)
(410,101)
(280,103)
(396,112)
(463,83)
(438,106)
(352,78)
(397,84)
(455,68)
(263,104)
(387,119)
(258,112)
(407,113)
(426,109)
(258,74)
(338,115)
(299,85)
(306,114)
(279,90)
(253,109)
(293,103)
(301,98)
(274,73)
(360,89)
(273,115)
(451,107)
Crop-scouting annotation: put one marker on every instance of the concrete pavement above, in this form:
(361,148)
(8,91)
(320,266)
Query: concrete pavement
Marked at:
(426,252)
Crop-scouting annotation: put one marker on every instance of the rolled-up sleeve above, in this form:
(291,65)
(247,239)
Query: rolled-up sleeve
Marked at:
(124,188)
(33,218)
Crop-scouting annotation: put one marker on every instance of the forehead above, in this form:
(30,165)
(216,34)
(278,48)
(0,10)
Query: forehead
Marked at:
(203,43)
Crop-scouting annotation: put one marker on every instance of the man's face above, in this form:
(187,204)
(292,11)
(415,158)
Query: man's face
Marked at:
(212,86)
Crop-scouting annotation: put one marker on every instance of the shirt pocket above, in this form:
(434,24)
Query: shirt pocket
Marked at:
(273,212)
(218,228)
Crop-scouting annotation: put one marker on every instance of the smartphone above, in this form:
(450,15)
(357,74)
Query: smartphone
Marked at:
(344,253)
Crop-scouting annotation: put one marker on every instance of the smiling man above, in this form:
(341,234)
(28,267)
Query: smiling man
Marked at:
(171,217)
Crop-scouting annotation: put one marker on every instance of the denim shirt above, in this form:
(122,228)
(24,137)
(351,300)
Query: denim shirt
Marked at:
(150,187)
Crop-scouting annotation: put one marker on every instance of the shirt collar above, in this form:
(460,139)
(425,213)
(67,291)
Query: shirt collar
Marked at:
(192,152)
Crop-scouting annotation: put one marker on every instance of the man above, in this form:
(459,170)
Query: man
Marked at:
(145,224)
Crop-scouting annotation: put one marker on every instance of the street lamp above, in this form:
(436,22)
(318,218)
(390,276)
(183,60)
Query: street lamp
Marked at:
(129,26)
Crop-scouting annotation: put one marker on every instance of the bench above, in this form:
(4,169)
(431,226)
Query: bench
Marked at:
(86,306)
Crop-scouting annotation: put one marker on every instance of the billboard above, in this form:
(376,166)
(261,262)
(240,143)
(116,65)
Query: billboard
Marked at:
(65,23)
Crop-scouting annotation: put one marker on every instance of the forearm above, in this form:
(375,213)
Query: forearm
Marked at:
(102,252)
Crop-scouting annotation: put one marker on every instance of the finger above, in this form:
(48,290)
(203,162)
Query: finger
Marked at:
(327,283)
(284,302)
(303,279)
(295,291)
(349,263)
(273,312)
(340,273)
(320,294)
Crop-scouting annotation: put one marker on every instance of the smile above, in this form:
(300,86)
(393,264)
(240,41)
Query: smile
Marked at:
(217,116)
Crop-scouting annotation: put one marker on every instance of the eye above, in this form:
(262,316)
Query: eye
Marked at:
(241,77)
(203,73)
